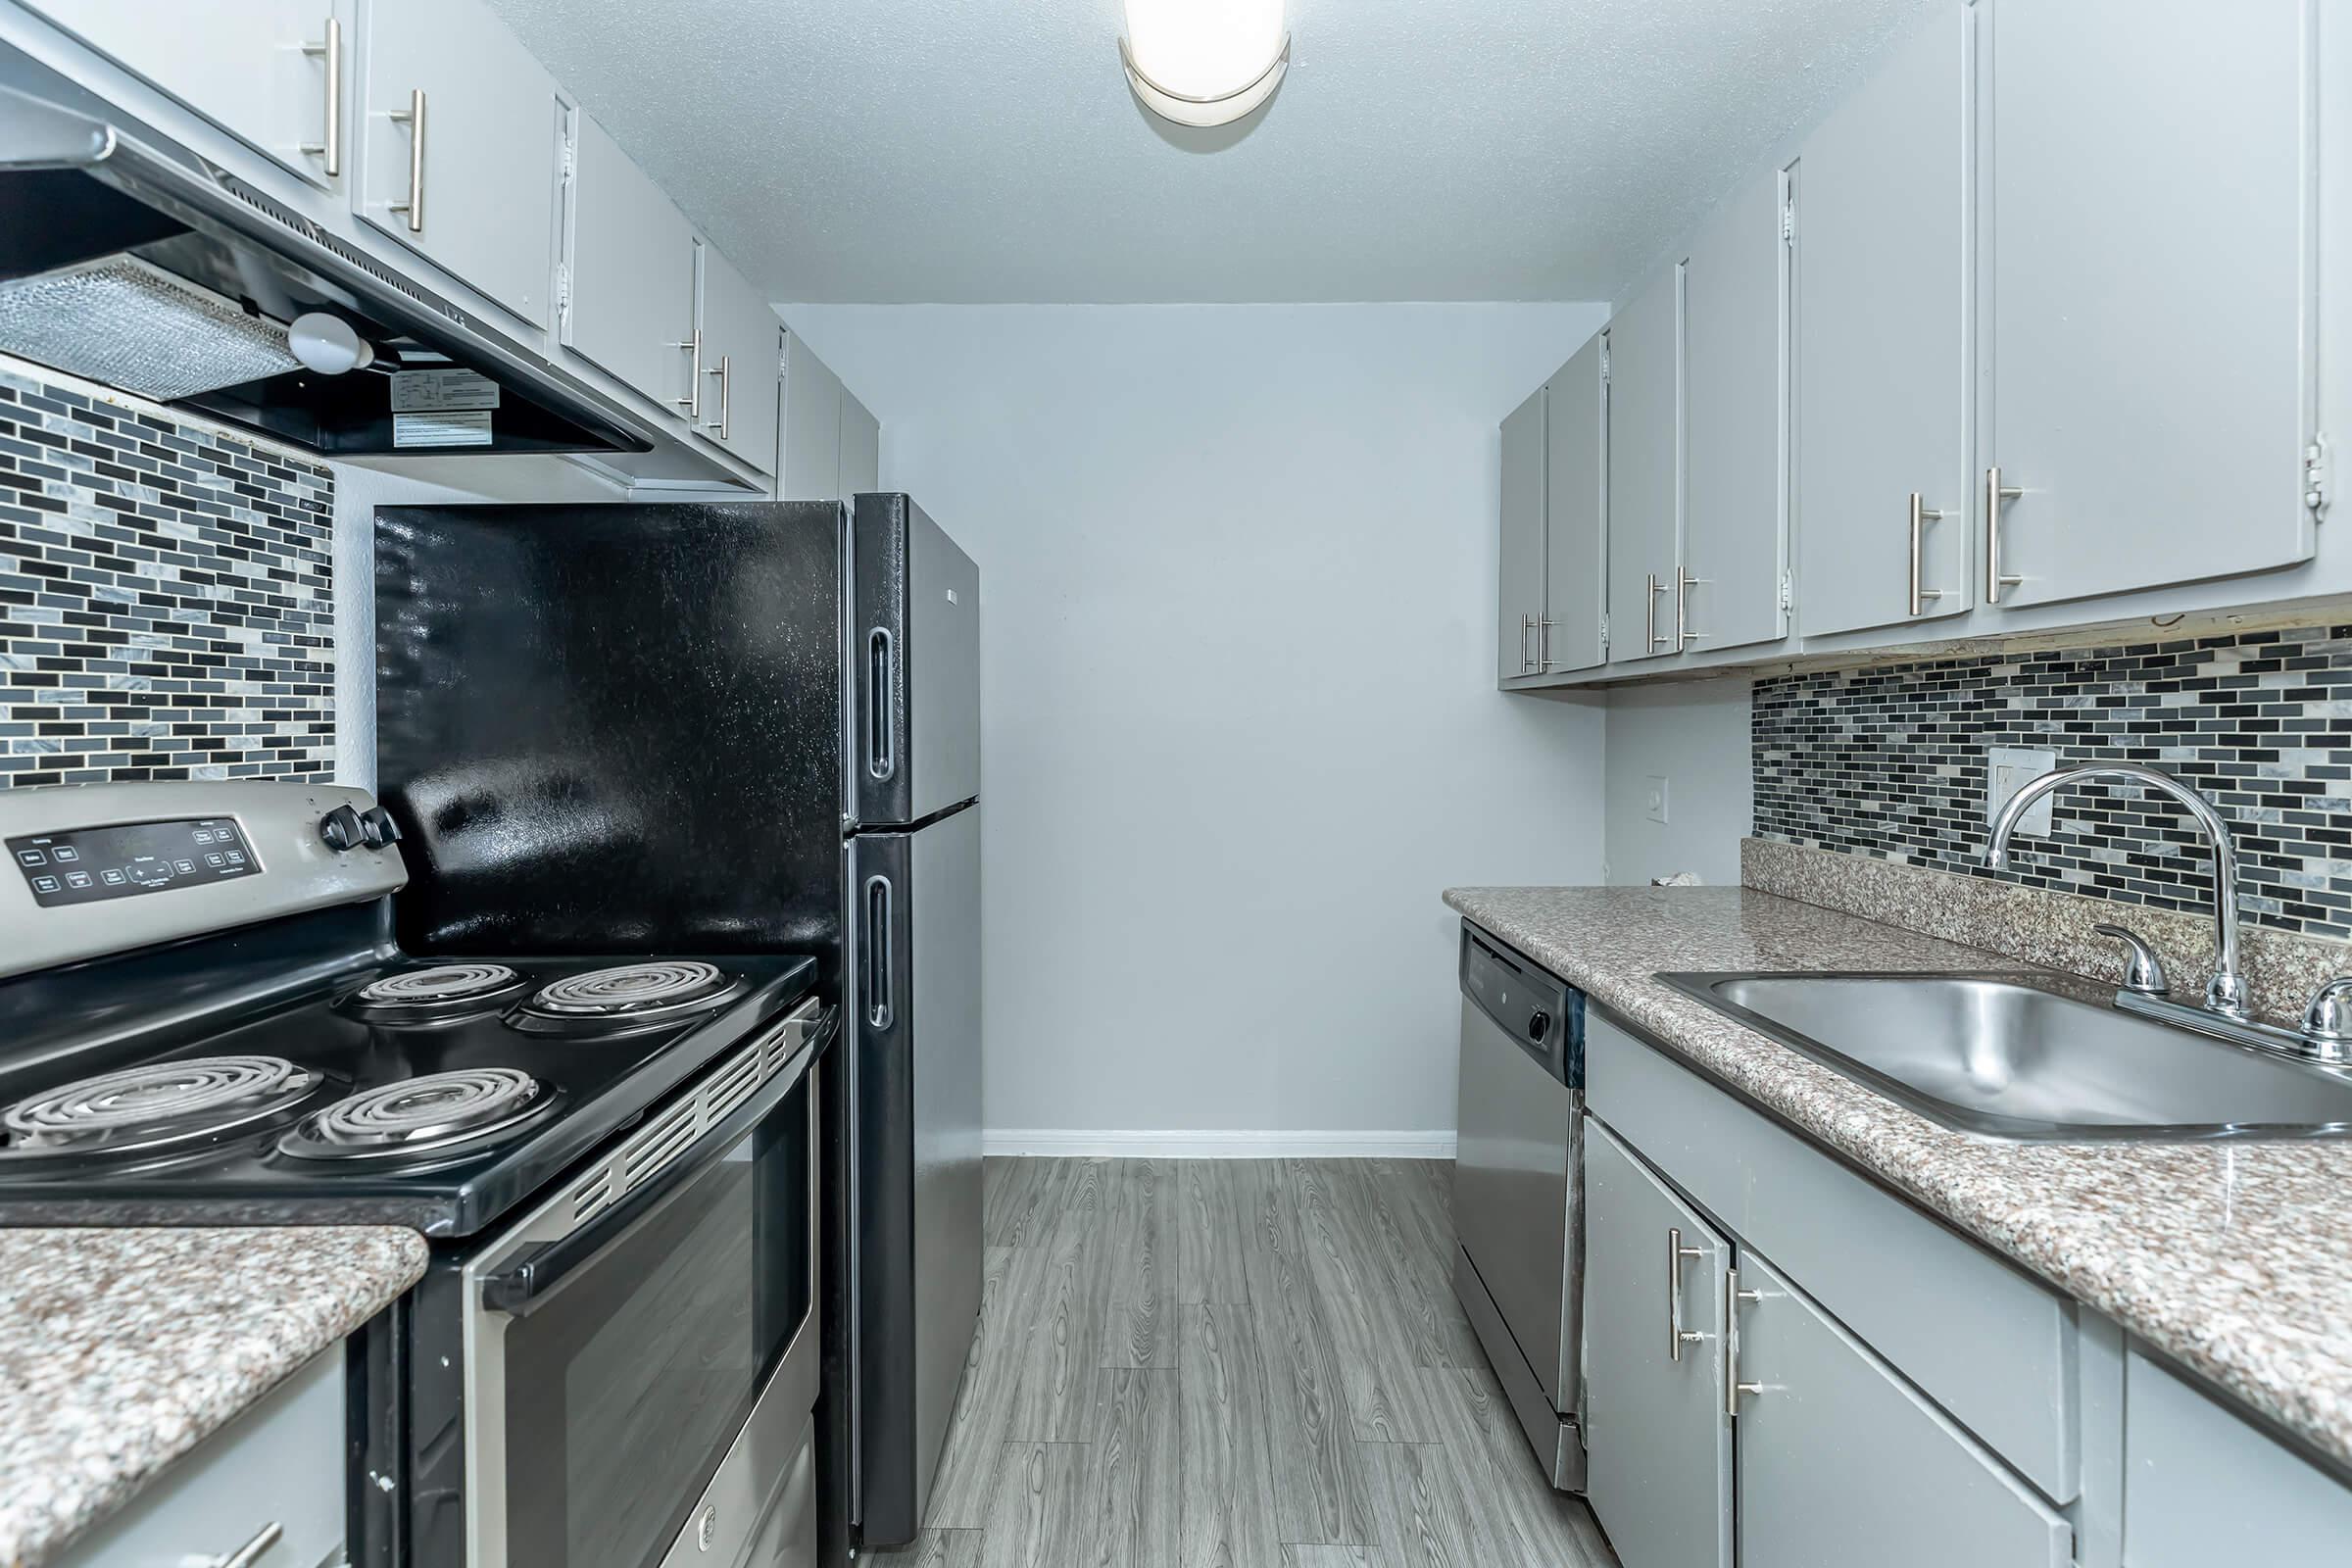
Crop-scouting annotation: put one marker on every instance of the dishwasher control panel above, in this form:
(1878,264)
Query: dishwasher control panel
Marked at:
(1544,1014)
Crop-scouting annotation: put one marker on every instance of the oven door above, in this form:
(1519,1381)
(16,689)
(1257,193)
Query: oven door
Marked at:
(642,1351)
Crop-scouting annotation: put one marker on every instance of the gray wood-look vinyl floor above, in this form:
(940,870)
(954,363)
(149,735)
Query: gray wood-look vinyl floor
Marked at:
(1233,1364)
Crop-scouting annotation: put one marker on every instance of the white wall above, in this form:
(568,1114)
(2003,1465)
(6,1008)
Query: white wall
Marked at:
(1240,725)
(362,487)
(1696,737)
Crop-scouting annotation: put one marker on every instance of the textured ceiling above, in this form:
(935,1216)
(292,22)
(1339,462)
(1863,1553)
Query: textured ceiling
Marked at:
(964,150)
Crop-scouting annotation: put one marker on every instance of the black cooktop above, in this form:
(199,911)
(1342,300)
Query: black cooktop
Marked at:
(554,1082)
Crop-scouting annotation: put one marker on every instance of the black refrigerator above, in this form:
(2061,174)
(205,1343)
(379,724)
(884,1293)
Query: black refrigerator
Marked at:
(732,728)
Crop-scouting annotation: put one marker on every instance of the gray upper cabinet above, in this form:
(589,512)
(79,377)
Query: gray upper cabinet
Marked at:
(1644,533)
(1519,570)
(1576,514)
(1883,343)
(1841,1461)
(811,470)
(2148,291)
(259,69)
(860,447)
(1735,516)
(738,410)
(1659,1445)
(458,143)
(633,268)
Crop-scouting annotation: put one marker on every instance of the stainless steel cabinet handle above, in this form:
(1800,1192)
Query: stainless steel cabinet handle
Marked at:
(412,116)
(877,952)
(1527,623)
(692,402)
(1542,642)
(1995,493)
(1732,1387)
(1921,517)
(1683,583)
(1676,1335)
(329,149)
(248,1555)
(1649,610)
(726,391)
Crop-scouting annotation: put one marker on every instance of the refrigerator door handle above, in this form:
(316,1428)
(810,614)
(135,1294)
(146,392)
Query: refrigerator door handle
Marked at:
(881,676)
(876,953)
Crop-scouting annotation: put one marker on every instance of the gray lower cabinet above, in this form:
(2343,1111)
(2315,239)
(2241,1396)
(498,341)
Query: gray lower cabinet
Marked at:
(2183,1453)
(1841,1461)
(1659,1449)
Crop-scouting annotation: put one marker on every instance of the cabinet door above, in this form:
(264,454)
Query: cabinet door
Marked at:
(2149,292)
(1645,418)
(1882,369)
(1658,1446)
(1735,527)
(471,183)
(634,260)
(739,365)
(256,67)
(1576,512)
(811,438)
(1519,571)
(1841,1461)
(860,447)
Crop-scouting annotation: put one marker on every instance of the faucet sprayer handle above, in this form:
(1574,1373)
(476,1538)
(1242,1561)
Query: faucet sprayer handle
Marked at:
(2144,975)
(2328,1019)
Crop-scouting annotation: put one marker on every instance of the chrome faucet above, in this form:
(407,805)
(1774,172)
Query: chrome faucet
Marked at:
(2226,991)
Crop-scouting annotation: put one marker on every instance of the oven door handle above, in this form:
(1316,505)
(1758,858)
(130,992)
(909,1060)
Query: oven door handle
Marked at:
(535,1277)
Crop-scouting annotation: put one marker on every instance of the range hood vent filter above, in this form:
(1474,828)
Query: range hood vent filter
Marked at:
(123,323)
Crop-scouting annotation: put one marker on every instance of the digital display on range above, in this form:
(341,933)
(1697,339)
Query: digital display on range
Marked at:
(94,864)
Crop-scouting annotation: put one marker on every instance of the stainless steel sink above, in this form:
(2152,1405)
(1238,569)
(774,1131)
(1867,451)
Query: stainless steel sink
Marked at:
(2016,1056)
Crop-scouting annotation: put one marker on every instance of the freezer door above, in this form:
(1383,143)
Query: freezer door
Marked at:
(914,991)
(915,666)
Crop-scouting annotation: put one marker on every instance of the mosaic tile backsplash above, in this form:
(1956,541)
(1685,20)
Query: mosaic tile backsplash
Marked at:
(167,599)
(1891,764)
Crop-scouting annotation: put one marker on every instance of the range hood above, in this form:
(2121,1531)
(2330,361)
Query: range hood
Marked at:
(128,259)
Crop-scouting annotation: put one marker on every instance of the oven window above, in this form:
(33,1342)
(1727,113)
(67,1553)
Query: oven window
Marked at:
(624,1391)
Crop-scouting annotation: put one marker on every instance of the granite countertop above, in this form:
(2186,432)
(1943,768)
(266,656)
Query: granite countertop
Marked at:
(122,1349)
(2234,1258)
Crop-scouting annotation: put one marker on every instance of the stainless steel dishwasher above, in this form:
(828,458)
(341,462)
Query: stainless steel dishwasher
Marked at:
(1518,1199)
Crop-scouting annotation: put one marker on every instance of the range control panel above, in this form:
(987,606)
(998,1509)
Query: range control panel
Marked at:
(92,864)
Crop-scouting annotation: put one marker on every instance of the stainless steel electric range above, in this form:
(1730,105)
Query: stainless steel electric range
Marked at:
(612,1359)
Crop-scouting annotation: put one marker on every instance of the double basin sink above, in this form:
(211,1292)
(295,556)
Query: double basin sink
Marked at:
(2015,1057)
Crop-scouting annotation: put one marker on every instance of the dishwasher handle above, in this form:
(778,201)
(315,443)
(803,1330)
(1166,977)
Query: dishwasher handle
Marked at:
(1542,1015)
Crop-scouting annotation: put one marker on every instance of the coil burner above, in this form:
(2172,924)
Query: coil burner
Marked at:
(635,994)
(450,988)
(420,1115)
(159,1104)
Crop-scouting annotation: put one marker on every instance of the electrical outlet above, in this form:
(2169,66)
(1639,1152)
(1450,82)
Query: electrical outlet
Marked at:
(1653,798)
(2010,769)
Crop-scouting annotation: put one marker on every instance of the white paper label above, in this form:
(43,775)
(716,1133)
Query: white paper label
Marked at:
(463,427)
(440,391)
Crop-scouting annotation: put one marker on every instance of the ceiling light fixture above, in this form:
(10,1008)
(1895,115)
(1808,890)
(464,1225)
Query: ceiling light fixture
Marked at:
(1205,61)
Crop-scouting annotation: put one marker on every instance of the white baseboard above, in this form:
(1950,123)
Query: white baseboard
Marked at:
(1069,1143)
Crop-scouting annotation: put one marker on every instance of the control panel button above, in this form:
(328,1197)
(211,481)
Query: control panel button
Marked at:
(44,884)
(113,879)
(213,859)
(77,879)
(204,835)
(185,868)
(32,858)
(65,851)
(233,856)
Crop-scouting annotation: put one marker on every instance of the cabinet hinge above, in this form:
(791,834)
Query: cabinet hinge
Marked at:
(562,288)
(1788,221)
(1605,362)
(2315,477)
(1604,619)
(571,157)
(1787,590)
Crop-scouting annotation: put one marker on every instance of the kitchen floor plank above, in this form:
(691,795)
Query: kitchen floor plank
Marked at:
(1136,1501)
(1038,1517)
(1501,1482)
(1378,1362)
(1319,1492)
(1023,1207)
(960,1491)
(1142,1247)
(1223,1427)
(934,1548)
(1424,1518)
(1214,1232)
